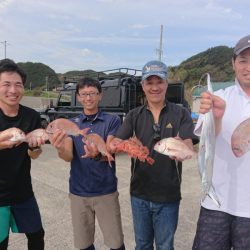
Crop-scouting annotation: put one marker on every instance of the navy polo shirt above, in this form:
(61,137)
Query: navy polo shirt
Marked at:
(87,176)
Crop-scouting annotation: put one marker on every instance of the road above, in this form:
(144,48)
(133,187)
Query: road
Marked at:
(50,181)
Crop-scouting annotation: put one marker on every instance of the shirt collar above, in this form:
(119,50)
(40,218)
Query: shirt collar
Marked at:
(99,116)
(164,106)
(240,90)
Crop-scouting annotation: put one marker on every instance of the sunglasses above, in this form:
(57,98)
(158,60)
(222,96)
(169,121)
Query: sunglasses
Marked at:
(157,130)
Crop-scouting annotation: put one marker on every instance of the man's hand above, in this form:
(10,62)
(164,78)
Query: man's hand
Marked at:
(90,149)
(113,144)
(218,106)
(209,101)
(182,157)
(5,141)
(57,140)
(63,144)
(35,142)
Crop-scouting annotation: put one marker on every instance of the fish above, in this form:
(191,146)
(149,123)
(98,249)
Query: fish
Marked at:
(37,133)
(206,153)
(68,126)
(72,129)
(16,134)
(240,140)
(174,147)
(98,141)
(135,149)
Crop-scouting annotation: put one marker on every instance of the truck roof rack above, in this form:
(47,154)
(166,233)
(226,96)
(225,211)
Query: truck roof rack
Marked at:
(110,74)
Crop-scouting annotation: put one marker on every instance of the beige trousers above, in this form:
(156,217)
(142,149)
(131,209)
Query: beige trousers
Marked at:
(106,209)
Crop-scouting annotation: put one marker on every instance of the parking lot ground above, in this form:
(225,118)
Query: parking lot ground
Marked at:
(50,181)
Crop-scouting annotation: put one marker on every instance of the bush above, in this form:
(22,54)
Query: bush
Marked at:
(37,92)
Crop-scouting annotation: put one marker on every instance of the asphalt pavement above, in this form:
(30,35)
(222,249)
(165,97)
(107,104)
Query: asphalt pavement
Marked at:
(50,181)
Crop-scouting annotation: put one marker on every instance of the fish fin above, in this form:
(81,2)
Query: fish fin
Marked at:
(109,158)
(150,160)
(214,196)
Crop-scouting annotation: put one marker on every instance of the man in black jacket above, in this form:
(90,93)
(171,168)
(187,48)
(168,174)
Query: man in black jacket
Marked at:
(155,190)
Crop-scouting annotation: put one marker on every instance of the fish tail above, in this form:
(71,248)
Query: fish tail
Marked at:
(110,159)
(150,160)
(212,195)
(84,132)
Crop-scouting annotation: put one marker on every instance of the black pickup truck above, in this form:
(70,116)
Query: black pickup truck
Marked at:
(122,91)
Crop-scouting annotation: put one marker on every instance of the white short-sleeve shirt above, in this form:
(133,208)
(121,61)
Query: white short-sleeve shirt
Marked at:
(231,175)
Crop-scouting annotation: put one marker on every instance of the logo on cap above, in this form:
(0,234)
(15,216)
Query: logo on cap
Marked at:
(156,68)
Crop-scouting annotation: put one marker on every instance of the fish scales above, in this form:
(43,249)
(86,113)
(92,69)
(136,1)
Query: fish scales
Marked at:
(98,141)
(240,140)
(135,149)
(174,148)
(37,133)
(68,126)
(17,135)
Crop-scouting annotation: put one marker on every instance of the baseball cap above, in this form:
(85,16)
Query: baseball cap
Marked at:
(242,44)
(154,68)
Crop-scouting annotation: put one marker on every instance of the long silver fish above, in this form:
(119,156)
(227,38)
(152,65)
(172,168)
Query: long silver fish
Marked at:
(207,152)
(240,140)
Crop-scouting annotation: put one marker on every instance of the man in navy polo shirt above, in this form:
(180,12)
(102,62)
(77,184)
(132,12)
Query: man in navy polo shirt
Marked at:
(93,183)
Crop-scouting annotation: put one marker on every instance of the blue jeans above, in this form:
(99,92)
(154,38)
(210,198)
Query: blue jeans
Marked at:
(154,221)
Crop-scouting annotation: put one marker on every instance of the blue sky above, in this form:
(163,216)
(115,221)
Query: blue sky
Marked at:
(107,34)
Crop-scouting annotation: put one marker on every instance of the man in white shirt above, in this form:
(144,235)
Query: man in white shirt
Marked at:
(228,226)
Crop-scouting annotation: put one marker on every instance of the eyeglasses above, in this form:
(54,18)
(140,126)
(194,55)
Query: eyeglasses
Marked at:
(157,130)
(85,95)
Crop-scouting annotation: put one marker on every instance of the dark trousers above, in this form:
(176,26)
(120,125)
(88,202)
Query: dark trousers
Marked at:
(35,241)
(217,230)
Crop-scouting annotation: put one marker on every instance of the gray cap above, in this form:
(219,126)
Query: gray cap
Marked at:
(242,44)
(154,68)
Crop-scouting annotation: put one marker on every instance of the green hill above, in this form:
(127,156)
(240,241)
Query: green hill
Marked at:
(217,61)
(38,74)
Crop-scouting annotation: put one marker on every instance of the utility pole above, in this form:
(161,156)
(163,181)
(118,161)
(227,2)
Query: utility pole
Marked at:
(46,80)
(47,89)
(160,51)
(5,47)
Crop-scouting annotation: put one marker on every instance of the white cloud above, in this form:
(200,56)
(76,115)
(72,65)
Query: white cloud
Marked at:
(5,3)
(108,33)
(85,52)
(139,26)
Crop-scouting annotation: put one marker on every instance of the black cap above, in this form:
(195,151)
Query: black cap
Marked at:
(242,44)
